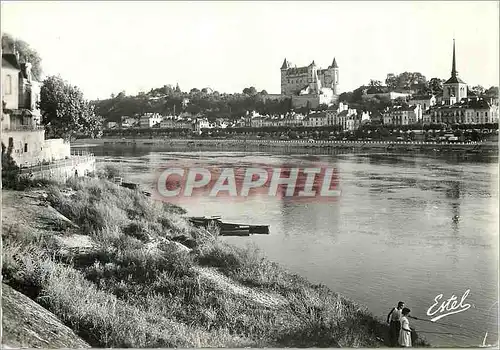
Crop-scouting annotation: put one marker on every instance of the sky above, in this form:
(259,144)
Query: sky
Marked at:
(108,47)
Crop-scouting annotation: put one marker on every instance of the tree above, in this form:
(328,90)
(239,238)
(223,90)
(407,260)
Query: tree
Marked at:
(478,90)
(400,100)
(346,97)
(65,112)
(375,83)
(250,91)
(492,92)
(405,81)
(167,90)
(391,81)
(26,54)
(435,86)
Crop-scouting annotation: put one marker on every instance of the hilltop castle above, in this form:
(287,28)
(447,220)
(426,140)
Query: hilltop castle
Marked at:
(310,85)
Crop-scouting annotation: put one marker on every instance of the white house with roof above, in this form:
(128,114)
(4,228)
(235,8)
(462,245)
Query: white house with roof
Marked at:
(168,122)
(201,124)
(257,122)
(474,110)
(22,135)
(403,115)
(111,125)
(149,120)
(315,119)
(424,101)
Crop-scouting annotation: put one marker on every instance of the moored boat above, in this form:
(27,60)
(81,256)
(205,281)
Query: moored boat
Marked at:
(229,229)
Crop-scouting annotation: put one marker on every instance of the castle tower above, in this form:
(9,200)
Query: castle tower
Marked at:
(284,68)
(312,76)
(334,73)
(454,89)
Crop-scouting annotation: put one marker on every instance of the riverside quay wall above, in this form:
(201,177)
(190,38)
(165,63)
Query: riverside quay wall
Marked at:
(77,165)
(235,144)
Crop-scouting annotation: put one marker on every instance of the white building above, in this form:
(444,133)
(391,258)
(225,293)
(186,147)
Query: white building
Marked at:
(148,120)
(469,111)
(424,101)
(315,120)
(403,115)
(201,124)
(128,122)
(111,125)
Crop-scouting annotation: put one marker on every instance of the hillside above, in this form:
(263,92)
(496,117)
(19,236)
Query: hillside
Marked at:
(168,101)
(106,262)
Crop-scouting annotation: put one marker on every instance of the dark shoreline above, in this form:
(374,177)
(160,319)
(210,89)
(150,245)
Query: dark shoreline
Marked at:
(264,145)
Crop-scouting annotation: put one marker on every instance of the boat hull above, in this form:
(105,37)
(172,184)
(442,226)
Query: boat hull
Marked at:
(229,229)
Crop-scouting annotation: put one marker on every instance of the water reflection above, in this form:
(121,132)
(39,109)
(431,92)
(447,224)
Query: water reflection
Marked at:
(390,235)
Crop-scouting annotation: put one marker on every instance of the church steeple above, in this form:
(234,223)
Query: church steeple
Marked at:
(334,63)
(454,89)
(454,72)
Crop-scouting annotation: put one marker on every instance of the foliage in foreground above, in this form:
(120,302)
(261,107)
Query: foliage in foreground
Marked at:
(137,289)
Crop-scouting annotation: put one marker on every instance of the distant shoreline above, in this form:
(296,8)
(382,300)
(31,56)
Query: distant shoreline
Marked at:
(389,146)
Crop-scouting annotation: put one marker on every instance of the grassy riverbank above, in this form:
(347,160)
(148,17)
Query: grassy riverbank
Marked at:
(107,262)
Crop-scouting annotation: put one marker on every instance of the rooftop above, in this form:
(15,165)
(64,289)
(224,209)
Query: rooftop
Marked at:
(454,80)
(9,60)
(422,97)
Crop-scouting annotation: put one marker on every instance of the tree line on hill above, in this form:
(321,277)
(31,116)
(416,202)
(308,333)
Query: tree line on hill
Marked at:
(169,100)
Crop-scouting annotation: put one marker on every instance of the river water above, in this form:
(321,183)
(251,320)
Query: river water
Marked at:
(406,227)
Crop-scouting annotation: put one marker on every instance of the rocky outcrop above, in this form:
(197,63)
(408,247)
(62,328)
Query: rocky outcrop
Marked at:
(28,325)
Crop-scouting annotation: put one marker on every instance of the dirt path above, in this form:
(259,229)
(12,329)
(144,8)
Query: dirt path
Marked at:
(30,209)
(29,213)
(270,300)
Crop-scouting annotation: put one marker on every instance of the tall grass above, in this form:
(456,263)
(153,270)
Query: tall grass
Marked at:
(98,205)
(126,294)
(98,316)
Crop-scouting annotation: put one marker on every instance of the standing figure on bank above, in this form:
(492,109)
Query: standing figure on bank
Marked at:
(394,320)
(405,332)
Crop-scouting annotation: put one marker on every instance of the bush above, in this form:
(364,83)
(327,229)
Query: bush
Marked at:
(109,172)
(23,182)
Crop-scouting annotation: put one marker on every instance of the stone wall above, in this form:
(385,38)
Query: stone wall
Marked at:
(26,146)
(31,147)
(62,170)
(301,101)
(55,149)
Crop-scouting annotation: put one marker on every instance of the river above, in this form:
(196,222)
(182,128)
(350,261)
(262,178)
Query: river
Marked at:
(406,227)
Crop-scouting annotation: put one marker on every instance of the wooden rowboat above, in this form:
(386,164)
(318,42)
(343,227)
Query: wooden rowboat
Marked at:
(229,229)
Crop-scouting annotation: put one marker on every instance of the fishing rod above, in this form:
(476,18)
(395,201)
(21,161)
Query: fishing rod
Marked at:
(445,324)
(446,333)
